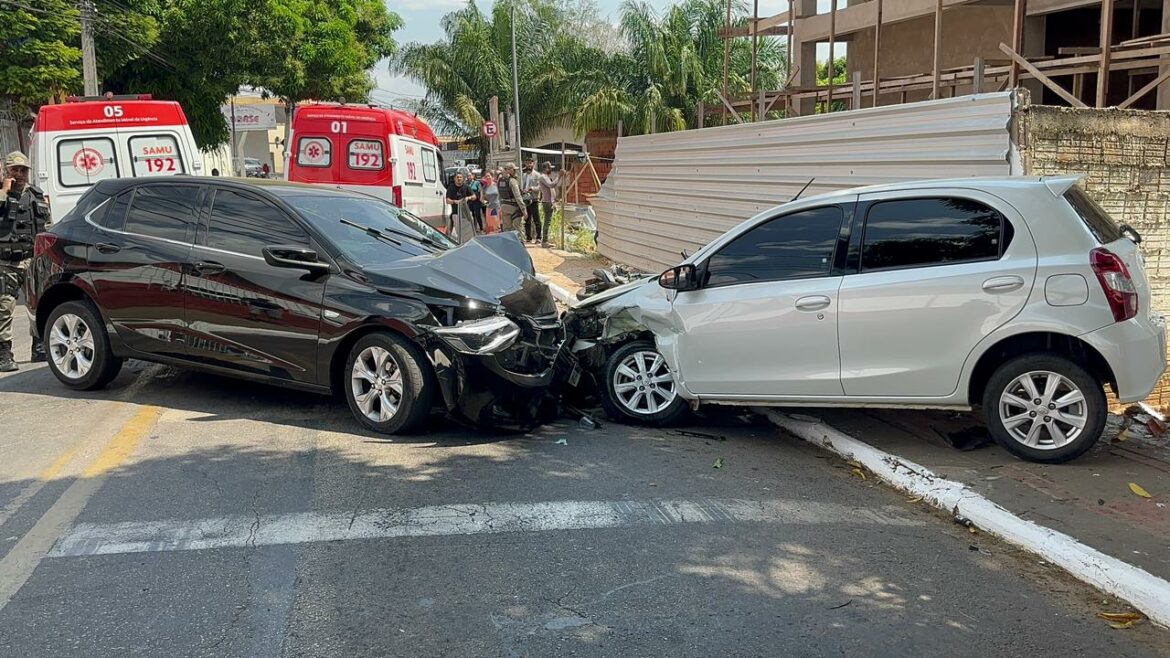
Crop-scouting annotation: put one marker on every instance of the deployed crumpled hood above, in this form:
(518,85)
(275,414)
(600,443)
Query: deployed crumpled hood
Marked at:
(493,269)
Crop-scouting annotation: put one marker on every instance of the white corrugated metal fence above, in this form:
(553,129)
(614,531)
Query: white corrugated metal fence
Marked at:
(674,191)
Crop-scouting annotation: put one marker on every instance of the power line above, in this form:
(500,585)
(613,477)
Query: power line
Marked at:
(37,10)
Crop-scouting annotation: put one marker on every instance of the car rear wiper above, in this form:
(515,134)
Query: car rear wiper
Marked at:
(372,232)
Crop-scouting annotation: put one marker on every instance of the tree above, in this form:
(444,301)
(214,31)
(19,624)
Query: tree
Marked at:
(840,77)
(40,57)
(672,62)
(473,62)
(322,49)
(205,50)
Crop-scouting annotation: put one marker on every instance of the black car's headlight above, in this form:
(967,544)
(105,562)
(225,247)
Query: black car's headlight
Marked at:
(486,336)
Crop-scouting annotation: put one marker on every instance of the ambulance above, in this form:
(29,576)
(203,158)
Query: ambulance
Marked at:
(85,140)
(380,151)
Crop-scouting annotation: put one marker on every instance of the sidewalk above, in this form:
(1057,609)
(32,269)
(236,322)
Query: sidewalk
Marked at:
(1088,499)
(566,269)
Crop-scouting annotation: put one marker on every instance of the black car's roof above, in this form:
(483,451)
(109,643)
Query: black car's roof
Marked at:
(278,188)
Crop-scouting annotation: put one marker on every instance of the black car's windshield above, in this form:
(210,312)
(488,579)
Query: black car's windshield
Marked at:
(326,212)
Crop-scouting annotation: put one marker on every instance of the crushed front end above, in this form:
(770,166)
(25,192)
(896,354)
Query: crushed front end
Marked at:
(504,368)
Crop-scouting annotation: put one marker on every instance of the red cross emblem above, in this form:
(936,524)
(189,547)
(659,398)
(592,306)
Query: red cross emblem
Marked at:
(88,162)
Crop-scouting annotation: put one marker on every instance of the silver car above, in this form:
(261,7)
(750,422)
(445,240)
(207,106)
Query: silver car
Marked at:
(1018,295)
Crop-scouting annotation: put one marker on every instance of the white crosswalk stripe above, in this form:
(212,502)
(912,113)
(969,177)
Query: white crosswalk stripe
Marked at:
(455,519)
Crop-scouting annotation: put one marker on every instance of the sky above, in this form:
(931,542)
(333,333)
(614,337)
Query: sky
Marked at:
(422,25)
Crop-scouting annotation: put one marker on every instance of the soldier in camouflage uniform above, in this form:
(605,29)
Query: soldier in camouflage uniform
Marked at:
(23,213)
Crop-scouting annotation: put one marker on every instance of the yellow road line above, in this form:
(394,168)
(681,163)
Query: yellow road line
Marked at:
(18,565)
(124,442)
(54,469)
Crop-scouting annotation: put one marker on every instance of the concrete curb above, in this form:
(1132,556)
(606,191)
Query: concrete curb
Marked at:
(560,294)
(1143,590)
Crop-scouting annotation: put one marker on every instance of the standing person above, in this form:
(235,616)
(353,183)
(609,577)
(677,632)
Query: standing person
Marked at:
(476,206)
(531,186)
(512,209)
(23,214)
(458,194)
(548,197)
(491,201)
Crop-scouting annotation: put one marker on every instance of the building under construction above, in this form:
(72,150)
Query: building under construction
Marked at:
(1104,53)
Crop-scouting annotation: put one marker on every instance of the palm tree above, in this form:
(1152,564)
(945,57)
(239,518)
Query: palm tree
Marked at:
(672,63)
(474,62)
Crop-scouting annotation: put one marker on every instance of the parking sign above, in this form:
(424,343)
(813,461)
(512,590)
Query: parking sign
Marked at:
(489,129)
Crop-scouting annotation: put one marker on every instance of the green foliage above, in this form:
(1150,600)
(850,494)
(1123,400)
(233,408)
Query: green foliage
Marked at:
(840,77)
(474,62)
(198,52)
(673,62)
(322,49)
(204,52)
(40,54)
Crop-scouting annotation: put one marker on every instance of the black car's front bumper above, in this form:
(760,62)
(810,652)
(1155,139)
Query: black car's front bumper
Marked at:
(515,388)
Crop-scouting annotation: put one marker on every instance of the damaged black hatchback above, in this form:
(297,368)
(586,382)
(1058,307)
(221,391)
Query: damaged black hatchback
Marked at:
(303,286)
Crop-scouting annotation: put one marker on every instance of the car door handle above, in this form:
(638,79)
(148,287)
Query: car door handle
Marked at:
(1003,284)
(813,303)
(209,267)
(107,248)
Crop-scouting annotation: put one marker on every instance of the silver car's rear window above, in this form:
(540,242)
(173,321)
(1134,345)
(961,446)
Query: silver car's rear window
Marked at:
(1095,217)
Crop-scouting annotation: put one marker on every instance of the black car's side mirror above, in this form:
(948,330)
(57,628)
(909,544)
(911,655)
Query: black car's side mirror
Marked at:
(294,257)
(683,277)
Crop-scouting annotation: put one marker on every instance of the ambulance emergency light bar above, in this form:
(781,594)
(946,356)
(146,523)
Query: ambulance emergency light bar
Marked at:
(110,96)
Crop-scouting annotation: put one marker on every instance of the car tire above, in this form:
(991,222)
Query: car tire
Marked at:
(393,391)
(1055,418)
(628,399)
(77,347)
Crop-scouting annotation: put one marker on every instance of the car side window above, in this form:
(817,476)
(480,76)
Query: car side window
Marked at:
(931,231)
(245,224)
(795,246)
(115,216)
(163,211)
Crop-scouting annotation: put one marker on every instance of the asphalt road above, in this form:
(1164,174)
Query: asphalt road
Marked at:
(179,514)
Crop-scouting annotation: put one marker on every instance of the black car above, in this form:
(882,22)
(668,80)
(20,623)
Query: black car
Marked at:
(304,286)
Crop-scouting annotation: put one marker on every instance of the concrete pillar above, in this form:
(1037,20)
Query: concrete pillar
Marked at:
(1164,88)
(1035,33)
(804,55)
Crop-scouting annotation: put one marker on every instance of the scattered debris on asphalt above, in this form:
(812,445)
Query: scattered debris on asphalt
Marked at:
(587,423)
(562,442)
(718,463)
(838,607)
(700,435)
(1121,620)
(1137,489)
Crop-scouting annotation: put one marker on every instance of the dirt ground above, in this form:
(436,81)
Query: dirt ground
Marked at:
(567,269)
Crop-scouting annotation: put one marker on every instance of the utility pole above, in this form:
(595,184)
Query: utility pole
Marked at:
(516,90)
(88,58)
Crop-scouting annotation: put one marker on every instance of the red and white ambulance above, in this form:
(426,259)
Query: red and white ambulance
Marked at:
(83,141)
(388,153)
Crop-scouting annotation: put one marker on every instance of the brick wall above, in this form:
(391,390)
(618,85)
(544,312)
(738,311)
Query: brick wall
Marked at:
(601,145)
(1126,157)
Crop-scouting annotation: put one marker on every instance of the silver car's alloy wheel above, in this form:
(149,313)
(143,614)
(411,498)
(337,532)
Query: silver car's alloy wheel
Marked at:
(643,383)
(376,382)
(1043,410)
(71,346)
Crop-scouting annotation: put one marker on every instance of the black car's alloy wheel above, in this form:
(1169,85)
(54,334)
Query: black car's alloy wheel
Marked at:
(78,347)
(388,384)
